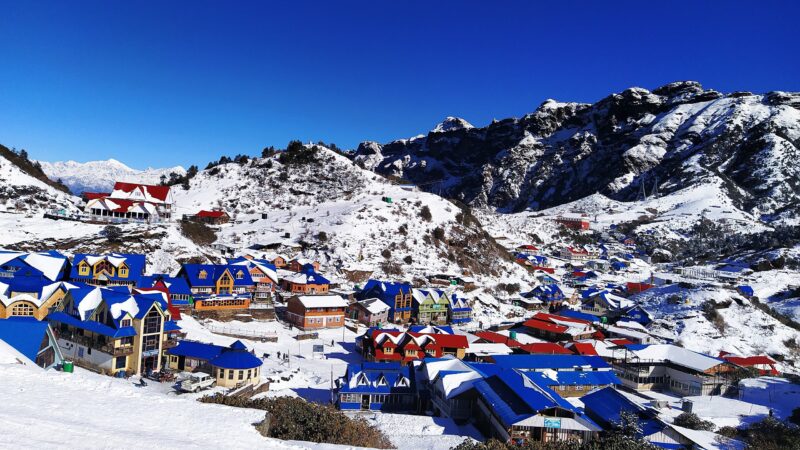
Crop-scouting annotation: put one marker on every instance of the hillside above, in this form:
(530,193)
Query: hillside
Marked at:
(99,176)
(674,137)
(24,188)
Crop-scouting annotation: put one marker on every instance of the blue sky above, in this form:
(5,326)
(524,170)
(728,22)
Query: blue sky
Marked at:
(165,83)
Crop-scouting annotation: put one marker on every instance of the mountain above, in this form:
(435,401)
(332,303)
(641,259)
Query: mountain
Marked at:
(25,188)
(677,136)
(100,176)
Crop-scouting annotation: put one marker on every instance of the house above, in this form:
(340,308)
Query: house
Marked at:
(547,279)
(132,201)
(32,338)
(214,217)
(382,386)
(28,297)
(529,303)
(745,290)
(672,368)
(176,288)
(573,223)
(546,293)
(114,269)
(394,345)
(511,407)
(264,275)
(446,384)
(484,351)
(604,303)
(579,254)
(497,338)
(544,348)
(605,407)
(311,312)
(218,286)
(397,296)
(558,328)
(765,365)
(236,366)
(371,312)
(47,266)
(110,330)
(638,314)
(458,309)
(306,281)
(192,356)
(430,306)
(299,264)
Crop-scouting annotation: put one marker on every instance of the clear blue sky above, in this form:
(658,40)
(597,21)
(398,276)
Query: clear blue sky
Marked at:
(169,82)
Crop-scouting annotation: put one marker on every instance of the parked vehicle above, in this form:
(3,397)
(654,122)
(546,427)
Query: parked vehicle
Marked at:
(197,382)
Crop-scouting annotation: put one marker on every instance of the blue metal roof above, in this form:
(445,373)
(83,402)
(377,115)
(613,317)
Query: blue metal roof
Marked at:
(171,325)
(566,312)
(746,290)
(176,285)
(196,350)
(445,329)
(214,272)
(135,263)
(25,334)
(548,361)
(90,325)
(607,405)
(236,357)
(364,378)
(385,289)
(575,378)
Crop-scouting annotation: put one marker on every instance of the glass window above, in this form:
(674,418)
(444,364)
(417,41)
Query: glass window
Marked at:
(230,374)
(241,374)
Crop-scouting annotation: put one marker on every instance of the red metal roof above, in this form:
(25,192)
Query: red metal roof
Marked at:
(497,338)
(545,348)
(159,192)
(451,340)
(584,348)
(546,326)
(212,214)
(551,317)
(95,195)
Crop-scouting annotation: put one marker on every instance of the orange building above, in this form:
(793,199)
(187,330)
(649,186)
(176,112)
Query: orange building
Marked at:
(306,282)
(311,312)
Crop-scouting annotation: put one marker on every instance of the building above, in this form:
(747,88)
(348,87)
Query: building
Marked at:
(30,298)
(192,356)
(214,217)
(371,312)
(32,338)
(370,386)
(512,407)
(394,345)
(446,386)
(549,294)
(601,302)
(305,282)
(763,364)
(112,331)
(236,366)
(672,368)
(430,306)
(218,286)
(131,202)
(114,269)
(264,275)
(300,264)
(43,267)
(579,254)
(458,309)
(398,296)
(558,328)
(176,288)
(573,223)
(311,312)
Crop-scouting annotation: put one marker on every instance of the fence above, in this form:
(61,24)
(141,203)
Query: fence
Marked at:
(266,336)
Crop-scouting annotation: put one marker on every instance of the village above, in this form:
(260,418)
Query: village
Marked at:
(557,362)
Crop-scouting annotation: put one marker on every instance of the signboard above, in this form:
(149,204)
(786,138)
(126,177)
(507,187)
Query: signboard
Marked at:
(149,353)
(318,348)
(552,423)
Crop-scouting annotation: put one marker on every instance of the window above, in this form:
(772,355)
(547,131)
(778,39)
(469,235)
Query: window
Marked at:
(125,323)
(239,275)
(83,269)
(103,266)
(152,322)
(220,373)
(241,374)
(202,275)
(23,309)
(249,374)
(126,341)
(120,362)
(123,272)
(230,374)
(150,342)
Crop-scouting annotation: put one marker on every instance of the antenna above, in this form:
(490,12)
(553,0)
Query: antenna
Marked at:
(654,192)
(643,193)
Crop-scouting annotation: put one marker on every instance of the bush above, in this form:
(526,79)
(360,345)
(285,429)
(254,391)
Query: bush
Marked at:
(438,233)
(408,259)
(772,434)
(295,419)
(113,233)
(425,213)
(199,233)
(322,236)
(693,422)
(386,253)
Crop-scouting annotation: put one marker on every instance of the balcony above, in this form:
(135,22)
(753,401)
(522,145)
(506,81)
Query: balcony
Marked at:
(169,343)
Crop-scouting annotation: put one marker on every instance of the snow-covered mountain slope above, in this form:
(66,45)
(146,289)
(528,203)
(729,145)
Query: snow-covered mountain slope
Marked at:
(99,176)
(23,190)
(346,216)
(673,137)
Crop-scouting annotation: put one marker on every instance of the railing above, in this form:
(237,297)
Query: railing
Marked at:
(241,332)
(169,343)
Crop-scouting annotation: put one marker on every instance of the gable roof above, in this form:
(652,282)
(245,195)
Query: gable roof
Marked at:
(196,350)
(25,334)
(49,264)
(135,264)
(149,192)
(214,272)
(212,214)
(236,357)
(266,267)
(307,276)
(175,285)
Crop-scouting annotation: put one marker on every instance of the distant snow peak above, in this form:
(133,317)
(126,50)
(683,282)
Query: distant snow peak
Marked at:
(451,124)
(101,175)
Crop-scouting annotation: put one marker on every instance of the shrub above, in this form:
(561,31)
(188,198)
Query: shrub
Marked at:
(386,253)
(291,418)
(438,233)
(113,233)
(425,213)
(772,434)
(199,233)
(408,259)
(322,236)
(693,422)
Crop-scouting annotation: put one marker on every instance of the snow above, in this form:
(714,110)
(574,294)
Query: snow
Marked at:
(320,301)
(100,176)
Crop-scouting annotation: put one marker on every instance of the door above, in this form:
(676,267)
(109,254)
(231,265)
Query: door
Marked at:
(365,402)
(181,363)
